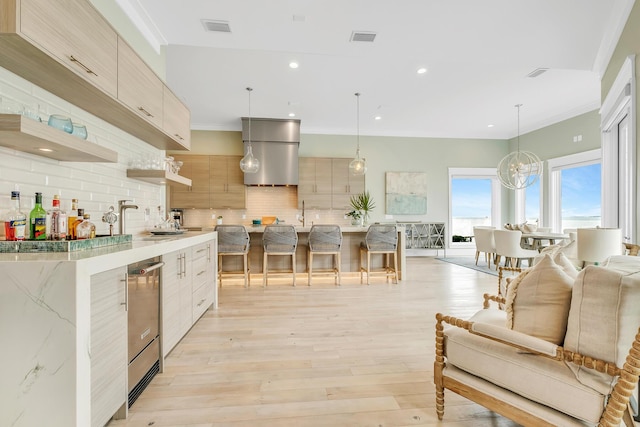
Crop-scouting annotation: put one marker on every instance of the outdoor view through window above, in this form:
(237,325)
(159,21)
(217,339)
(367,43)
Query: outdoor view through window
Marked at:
(580,201)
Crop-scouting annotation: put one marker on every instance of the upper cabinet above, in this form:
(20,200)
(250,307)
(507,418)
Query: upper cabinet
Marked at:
(138,86)
(176,118)
(314,182)
(227,183)
(344,184)
(70,50)
(77,36)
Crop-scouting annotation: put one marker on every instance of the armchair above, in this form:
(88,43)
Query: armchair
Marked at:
(582,375)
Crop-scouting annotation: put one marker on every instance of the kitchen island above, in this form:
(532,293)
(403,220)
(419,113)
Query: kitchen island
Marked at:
(352,237)
(63,322)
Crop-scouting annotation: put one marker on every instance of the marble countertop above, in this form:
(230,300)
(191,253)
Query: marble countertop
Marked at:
(108,257)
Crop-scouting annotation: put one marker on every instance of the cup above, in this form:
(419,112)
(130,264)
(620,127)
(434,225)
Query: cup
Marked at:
(79,130)
(60,122)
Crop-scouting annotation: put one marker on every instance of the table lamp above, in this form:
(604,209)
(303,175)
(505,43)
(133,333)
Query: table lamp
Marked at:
(597,244)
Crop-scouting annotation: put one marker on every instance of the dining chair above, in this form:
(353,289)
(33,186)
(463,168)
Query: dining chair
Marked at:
(485,242)
(325,240)
(233,240)
(508,246)
(380,239)
(279,240)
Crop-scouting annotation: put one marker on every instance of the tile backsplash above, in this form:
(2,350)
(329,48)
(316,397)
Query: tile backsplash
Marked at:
(281,202)
(97,186)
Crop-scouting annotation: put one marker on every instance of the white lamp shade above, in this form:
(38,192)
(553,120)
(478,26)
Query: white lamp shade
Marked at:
(598,244)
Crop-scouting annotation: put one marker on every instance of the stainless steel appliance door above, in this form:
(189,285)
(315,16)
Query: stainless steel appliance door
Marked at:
(144,304)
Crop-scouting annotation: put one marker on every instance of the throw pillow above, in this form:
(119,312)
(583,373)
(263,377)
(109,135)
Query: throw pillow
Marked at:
(604,317)
(570,250)
(538,301)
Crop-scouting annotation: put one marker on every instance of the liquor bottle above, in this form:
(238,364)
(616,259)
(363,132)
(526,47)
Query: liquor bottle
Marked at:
(38,220)
(15,222)
(86,229)
(57,221)
(71,218)
(74,225)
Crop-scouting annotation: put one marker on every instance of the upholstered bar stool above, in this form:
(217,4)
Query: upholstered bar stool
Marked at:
(279,240)
(380,239)
(325,240)
(233,240)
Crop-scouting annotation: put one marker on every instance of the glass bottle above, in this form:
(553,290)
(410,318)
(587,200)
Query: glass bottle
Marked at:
(15,222)
(86,229)
(57,220)
(71,218)
(38,220)
(77,222)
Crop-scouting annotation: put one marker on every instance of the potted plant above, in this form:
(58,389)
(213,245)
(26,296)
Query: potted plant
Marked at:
(219,221)
(363,203)
(356,217)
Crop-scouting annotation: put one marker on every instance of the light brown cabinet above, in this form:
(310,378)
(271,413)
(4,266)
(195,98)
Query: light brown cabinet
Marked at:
(227,183)
(344,184)
(325,183)
(69,49)
(314,182)
(176,117)
(138,86)
(196,196)
(77,35)
(216,183)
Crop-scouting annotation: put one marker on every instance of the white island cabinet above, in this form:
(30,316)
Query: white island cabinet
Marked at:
(64,334)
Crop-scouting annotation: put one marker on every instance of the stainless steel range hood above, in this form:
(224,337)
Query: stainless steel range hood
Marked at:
(275,144)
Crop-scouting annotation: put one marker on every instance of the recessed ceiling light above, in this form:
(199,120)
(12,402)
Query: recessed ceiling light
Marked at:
(293,64)
(422,70)
(46,150)
(490,126)
(377,118)
(292,114)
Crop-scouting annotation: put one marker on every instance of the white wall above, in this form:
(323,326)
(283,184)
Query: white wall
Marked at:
(96,185)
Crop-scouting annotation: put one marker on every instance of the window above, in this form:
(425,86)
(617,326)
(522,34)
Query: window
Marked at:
(619,153)
(575,196)
(528,203)
(474,200)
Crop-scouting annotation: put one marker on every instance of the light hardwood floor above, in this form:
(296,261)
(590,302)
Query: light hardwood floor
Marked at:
(353,355)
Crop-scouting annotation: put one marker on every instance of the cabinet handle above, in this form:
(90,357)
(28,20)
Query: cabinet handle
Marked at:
(201,301)
(126,292)
(200,250)
(179,266)
(209,252)
(178,136)
(202,272)
(184,265)
(148,114)
(84,67)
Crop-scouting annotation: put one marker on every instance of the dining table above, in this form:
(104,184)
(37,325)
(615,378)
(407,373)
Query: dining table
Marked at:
(534,240)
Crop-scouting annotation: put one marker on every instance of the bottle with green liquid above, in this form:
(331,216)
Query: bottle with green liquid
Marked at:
(38,220)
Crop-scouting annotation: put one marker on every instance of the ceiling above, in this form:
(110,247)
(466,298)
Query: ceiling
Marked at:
(477,55)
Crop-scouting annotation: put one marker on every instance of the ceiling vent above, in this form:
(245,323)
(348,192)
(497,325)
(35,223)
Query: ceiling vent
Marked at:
(363,36)
(216,26)
(537,72)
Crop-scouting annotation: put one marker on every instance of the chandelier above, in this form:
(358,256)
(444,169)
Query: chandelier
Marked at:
(357,166)
(249,163)
(519,169)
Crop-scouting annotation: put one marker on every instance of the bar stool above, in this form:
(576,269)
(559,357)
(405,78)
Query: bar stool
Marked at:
(279,240)
(380,239)
(325,240)
(233,240)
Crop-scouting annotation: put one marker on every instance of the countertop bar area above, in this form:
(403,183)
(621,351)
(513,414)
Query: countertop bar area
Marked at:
(51,306)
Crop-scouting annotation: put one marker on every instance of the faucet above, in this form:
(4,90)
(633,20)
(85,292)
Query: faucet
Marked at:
(122,205)
(301,219)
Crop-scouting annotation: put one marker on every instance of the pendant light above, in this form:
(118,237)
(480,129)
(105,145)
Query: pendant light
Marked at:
(249,164)
(357,165)
(519,169)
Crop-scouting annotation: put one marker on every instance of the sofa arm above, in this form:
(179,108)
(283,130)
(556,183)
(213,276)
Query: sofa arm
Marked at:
(516,339)
(495,298)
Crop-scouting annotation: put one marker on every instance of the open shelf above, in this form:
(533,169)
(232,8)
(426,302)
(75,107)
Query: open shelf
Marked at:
(157,176)
(30,136)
